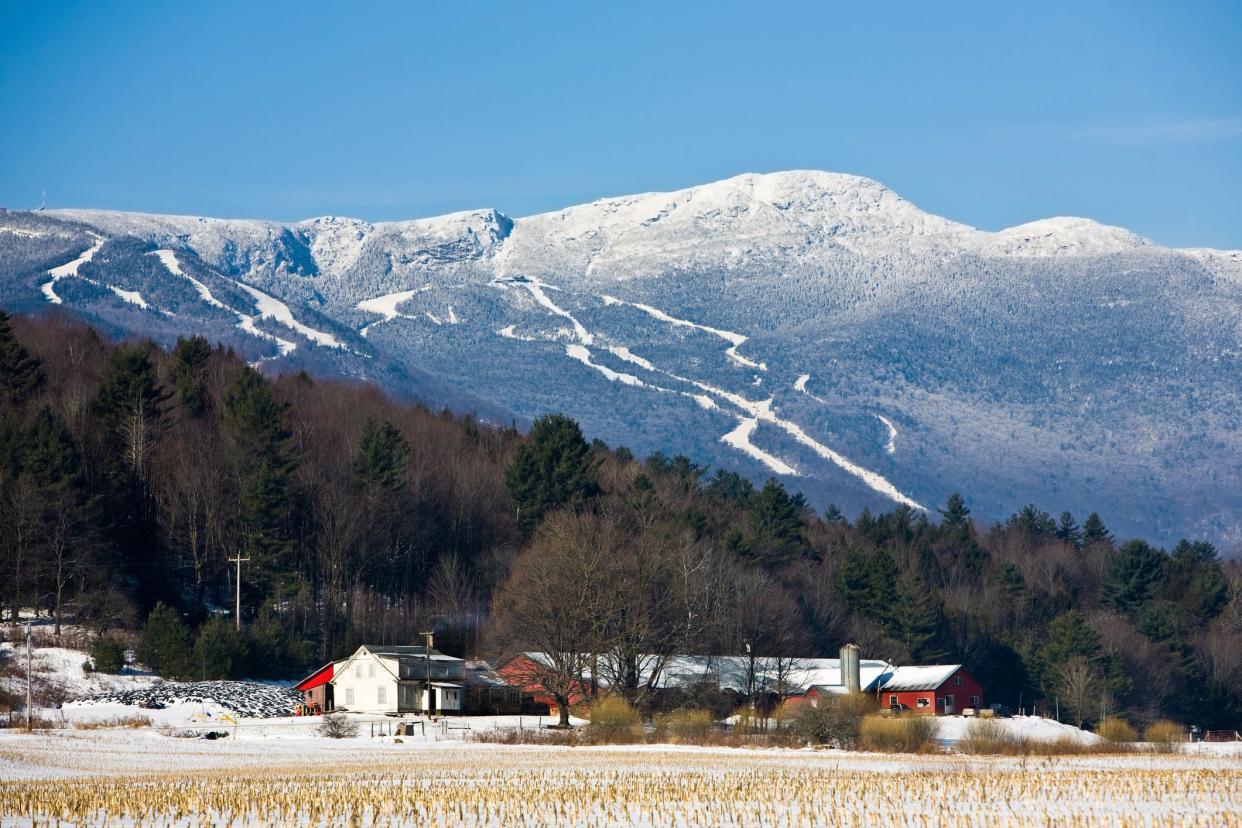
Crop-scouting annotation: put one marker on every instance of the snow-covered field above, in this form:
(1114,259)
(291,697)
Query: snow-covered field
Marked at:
(143,777)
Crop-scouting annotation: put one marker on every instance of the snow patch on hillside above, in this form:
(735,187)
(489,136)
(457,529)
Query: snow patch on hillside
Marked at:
(388,306)
(890,446)
(272,308)
(740,439)
(70,269)
(735,339)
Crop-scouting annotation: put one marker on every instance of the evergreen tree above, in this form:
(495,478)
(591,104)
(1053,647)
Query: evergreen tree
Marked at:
(1093,531)
(776,524)
(259,433)
(915,619)
(1034,523)
(955,514)
(834,515)
(131,404)
(866,580)
(189,374)
(20,372)
(730,487)
(1133,576)
(553,467)
(165,643)
(379,460)
(1069,531)
(107,655)
(1194,581)
(217,651)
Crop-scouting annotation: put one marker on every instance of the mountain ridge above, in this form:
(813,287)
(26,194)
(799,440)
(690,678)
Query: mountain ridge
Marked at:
(812,325)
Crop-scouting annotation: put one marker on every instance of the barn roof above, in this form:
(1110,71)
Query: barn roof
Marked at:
(321,676)
(901,679)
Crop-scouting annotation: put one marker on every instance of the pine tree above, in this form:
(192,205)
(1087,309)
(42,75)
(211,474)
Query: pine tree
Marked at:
(1068,531)
(165,643)
(131,404)
(20,372)
(189,374)
(1133,577)
(776,524)
(866,580)
(555,466)
(259,433)
(955,514)
(217,651)
(379,460)
(914,619)
(832,514)
(1093,531)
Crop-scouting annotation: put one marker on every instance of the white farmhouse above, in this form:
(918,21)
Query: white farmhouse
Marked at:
(395,680)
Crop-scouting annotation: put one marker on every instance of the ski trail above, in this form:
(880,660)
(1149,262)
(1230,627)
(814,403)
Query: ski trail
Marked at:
(244,321)
(736,340)
(891,445)
(387,306)
(755,412)
(629,356)
(272,308)
(739,438)
(536,290)
(762,411)
(169,260)
(800,385)
(133,297)
(70,269)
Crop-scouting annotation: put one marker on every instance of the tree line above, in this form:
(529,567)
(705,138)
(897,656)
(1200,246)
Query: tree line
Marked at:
(130,475)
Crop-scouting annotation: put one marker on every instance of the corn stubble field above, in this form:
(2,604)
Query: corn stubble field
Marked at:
(536,786)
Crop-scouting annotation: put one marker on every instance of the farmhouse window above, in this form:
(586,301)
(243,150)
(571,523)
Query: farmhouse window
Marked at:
(381,695)
(957,680)
(349,695)
(922,702)
(892,701)
(974,701)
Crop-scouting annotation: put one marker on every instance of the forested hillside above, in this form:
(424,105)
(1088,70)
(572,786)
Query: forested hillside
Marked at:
(129,476)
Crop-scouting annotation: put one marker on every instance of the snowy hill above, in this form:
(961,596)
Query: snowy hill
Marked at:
(811,325)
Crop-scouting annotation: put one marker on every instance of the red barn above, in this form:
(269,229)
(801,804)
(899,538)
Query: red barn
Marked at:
(524,671)
(316,689)
(943,689)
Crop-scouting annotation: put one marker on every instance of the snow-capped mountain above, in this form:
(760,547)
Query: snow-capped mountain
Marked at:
(809,325)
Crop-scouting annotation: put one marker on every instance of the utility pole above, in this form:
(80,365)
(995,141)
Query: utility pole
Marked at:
(427,639)
(239,560)
(29,683)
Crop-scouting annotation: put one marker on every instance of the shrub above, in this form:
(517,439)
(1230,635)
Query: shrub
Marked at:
(1165,736)
(1113,729)
(898,734)
(132,722)
(337,726)
(107,655)
(834,721)
(691,727)
(988,736)
(613,720)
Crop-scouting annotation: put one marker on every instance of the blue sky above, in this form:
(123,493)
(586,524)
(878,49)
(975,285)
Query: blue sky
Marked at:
(988,113)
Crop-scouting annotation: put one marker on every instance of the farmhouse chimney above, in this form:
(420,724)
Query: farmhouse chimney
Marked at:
(850,678)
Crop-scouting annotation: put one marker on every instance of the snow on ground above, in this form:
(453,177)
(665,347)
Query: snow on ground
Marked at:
(891,445)
(736,340)
(272,308)
(70,269)
(388,306)
(59,671)
(1032,728)
(133,297)
(739,438)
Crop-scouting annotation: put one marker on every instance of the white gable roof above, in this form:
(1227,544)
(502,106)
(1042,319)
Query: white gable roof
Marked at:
(918,678)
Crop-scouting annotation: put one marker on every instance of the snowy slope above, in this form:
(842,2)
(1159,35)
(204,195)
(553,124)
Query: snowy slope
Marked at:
(811,325)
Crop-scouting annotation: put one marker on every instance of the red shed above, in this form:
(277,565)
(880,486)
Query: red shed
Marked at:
(942,689)
(316,689)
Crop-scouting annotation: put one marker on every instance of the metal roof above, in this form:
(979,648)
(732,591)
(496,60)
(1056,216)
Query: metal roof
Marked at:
(901,679)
